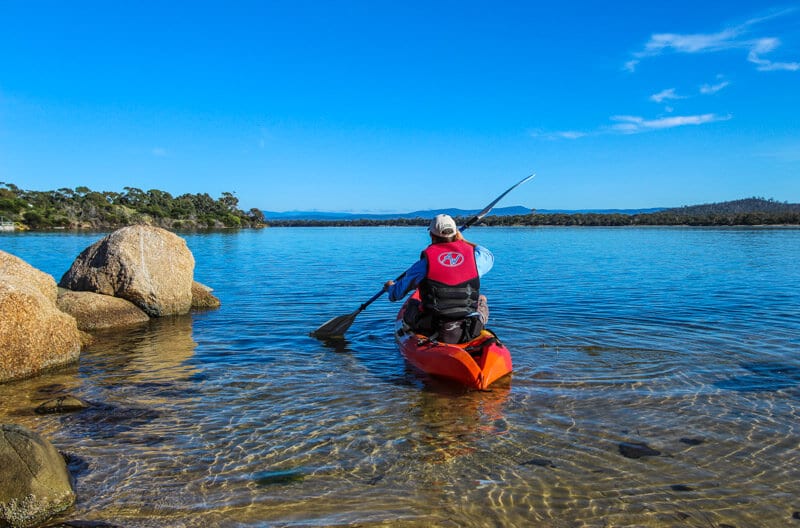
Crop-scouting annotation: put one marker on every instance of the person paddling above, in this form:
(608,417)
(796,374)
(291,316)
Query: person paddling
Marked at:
(337,326)
(451,307)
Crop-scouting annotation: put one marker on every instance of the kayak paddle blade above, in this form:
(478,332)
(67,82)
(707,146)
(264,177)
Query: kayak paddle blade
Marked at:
(336,327)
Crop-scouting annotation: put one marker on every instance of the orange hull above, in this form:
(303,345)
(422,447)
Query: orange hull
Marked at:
(476,364)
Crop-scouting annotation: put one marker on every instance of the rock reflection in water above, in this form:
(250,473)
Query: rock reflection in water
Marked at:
(157,352)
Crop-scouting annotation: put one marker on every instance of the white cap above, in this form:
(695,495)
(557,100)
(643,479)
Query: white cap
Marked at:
(443,226)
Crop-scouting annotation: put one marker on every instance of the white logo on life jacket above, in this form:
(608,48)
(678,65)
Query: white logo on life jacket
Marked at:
(451,259)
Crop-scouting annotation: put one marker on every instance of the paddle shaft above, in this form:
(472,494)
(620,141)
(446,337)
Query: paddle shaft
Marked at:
(489,207)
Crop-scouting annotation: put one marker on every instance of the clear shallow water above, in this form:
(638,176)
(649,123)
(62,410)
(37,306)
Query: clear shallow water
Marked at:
(685,340)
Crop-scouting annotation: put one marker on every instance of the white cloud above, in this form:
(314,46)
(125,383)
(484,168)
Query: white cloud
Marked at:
(671,94)
(563,134)
(627,124)
(159,152)
(766,45)
(732,38)
(709,89)
(631,65)
(697,43)
(571,134)
(663,95)
(766,65)
(635,124)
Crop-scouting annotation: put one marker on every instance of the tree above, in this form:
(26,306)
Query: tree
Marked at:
(257,215)
(229,201)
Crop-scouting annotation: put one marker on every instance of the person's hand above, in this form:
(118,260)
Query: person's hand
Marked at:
(388,285)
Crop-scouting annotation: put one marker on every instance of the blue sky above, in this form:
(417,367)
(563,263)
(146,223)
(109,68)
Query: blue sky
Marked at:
(397,106)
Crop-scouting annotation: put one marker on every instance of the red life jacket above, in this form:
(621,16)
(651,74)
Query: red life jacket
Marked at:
(452,286)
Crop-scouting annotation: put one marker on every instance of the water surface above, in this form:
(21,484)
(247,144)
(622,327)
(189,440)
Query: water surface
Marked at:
(656,383)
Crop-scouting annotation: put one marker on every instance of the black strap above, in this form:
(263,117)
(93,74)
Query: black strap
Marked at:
(477,349)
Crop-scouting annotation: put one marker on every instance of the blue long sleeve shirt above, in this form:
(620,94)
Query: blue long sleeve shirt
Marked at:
(416,273)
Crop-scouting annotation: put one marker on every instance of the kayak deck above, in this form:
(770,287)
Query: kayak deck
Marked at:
(475,364)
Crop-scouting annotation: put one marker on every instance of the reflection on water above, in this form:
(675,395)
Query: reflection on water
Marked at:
(656,384)
(131,362)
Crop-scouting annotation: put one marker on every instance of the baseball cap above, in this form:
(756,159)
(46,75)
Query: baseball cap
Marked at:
(443,225)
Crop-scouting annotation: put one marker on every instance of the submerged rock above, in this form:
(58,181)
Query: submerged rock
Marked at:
(764,377)
(149,266)
(287,476)
(637,450)
(83,524)
(63,404)
(540,462)
(76,465)
(34,481)
(104,421)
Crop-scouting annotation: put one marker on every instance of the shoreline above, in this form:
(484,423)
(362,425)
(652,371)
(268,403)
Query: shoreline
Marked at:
(315,224)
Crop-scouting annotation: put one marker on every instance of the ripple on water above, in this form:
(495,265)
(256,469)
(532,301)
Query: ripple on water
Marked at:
(676,342)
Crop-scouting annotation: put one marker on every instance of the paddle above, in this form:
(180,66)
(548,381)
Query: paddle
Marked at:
(337,326)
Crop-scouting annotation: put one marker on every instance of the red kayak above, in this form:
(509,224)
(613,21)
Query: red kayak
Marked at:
(476,364)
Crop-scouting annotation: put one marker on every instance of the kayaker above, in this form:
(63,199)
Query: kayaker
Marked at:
(448,277)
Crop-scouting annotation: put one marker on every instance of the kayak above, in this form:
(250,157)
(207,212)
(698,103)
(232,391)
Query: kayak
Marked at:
(476,364)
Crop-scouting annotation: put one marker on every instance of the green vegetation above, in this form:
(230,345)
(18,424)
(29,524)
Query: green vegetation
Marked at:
(82,208)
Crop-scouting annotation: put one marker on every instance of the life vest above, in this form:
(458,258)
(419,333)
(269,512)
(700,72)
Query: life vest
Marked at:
(452,286)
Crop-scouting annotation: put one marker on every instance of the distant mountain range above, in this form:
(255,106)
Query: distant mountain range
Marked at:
(744,206)
(499,211)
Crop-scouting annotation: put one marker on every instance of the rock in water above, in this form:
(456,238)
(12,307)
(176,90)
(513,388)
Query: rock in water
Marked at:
(149,266)
(63,404)
(34,481)
(15,270)
(34,334)
(287,476)
(94,311)
(202,298)
(637,450)
(541,462)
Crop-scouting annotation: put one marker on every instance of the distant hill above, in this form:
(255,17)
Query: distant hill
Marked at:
(516,210)
(731,208)
(746,212)
(330,215)
(82,208)
(601,211)
(736,207)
